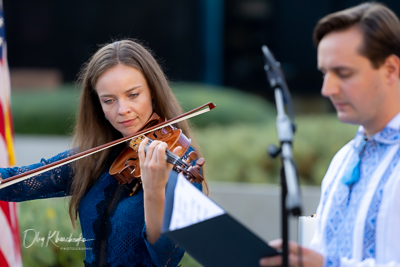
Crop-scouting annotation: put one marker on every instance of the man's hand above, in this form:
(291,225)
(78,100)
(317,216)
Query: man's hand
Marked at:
(308,257)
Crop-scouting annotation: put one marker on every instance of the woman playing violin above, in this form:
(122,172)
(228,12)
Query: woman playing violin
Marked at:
(122,86)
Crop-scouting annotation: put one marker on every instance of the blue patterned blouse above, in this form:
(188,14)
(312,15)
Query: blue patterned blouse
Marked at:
(115,234)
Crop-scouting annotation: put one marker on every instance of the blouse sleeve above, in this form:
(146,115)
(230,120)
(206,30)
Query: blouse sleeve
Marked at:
(53,183)
(166,252)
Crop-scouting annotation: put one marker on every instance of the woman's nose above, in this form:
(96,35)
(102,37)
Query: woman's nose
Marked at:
(123,107)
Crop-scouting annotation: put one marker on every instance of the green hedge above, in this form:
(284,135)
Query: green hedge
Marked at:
(44,112)
(53,112)
(233,106)
(239,152)
(234,136)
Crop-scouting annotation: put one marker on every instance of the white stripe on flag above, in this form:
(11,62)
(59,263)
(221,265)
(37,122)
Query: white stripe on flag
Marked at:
(6,241)
(3,154)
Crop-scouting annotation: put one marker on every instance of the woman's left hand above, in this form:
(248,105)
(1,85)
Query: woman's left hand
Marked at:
(154,171)
(154,168)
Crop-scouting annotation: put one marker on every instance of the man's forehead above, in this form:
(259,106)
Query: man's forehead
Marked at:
(346,40)
(339,47)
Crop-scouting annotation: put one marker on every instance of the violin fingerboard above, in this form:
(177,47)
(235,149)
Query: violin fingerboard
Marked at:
(135,142)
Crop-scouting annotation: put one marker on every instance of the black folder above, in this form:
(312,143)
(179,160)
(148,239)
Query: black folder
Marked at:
(217,241)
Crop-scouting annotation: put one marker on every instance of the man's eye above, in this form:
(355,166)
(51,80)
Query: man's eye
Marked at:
(344,74)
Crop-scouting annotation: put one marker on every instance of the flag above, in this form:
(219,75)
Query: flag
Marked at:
(10,252)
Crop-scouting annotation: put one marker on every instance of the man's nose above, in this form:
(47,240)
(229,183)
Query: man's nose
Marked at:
(330,85)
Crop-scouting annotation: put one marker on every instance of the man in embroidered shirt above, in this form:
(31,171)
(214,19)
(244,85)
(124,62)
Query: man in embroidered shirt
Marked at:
(358,214)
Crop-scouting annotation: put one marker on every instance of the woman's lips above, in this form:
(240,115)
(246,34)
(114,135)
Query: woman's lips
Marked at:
(127,122)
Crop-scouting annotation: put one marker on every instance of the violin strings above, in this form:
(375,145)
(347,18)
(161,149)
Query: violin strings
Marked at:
(169,153)
(176,159)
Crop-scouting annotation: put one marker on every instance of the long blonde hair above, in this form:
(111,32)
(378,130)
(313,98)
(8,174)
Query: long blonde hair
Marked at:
(92,129)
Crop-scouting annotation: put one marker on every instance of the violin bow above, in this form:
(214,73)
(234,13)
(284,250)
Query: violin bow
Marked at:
(23,176)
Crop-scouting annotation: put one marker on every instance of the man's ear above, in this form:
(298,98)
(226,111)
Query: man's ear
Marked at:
(392,68)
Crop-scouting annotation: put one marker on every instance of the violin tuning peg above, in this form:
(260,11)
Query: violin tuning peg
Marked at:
(192,156)
(200,161)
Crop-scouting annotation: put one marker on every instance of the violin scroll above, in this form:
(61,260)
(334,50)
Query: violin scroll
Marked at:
(193,173)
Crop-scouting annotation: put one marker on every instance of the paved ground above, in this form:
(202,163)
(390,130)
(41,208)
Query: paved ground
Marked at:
(256,206)
(30,148)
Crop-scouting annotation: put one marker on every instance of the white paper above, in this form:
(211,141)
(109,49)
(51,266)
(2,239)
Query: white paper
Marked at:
(191,205)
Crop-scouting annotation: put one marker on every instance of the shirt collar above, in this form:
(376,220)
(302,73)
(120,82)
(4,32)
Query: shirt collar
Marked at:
(390,134)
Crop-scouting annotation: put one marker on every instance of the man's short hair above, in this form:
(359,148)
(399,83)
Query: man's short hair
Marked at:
(378,24)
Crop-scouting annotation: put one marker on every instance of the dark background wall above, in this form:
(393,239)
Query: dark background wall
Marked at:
(210,41)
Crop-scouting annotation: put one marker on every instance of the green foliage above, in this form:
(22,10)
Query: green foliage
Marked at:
(42,225)
(189,261)
(238,153)
(53,112)
(44,112)
(317,140)
(233,106)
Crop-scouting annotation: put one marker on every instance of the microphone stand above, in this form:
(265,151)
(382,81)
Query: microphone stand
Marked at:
(290,193)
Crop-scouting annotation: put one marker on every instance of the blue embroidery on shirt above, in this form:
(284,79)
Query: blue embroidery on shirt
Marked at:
(338,232)
(371,219)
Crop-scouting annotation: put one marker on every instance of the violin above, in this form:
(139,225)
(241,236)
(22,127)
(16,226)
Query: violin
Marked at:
(23,176)
(126,167)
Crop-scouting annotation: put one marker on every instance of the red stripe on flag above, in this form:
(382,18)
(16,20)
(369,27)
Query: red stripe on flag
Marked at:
(15,227)
(10,225)
(3,261)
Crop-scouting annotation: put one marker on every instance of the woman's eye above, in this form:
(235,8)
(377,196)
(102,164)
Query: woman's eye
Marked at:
(108,101)
(133,95)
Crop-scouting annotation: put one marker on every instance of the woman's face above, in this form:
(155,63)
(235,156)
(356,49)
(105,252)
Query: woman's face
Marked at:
(125,98)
